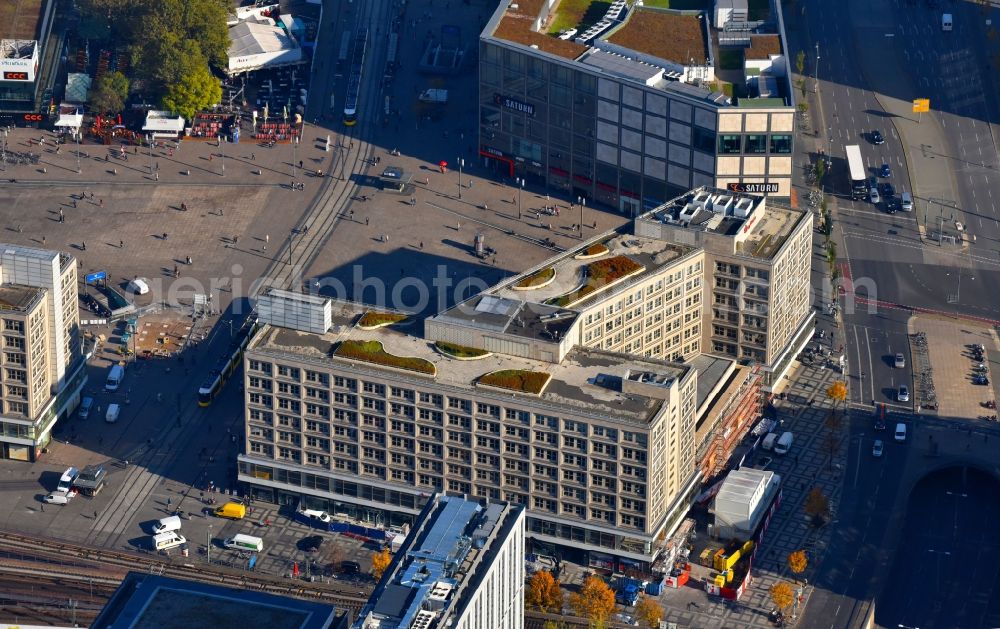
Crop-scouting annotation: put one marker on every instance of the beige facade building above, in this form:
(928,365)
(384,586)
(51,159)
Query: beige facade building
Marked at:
(573,388)
(42,361)
(758,261)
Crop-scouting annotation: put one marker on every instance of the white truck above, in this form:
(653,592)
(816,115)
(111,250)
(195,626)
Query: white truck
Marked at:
(433,96)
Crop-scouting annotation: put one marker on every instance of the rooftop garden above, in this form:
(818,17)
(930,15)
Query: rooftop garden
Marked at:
(460,352)
(677,5)
(537,279)
(372,352)
(517,380)
(372,319)
(593,251)
(599,274)
(578,14)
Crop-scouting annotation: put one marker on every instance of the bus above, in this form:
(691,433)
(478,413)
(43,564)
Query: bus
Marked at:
(345,47)
(856,170)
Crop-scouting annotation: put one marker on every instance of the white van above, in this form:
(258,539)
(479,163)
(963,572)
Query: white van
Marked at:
(115,376)
(900,431)
(167,525)
(906,202)
(784,443)
(165,541)
(769,439)
(66,480)
(112,415)
(139,286)
(244,542)
(946,22)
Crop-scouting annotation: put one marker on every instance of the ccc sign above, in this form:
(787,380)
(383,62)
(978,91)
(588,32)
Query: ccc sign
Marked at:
(33,117)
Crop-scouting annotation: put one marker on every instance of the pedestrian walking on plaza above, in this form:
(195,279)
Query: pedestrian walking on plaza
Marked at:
(267,238)
(43,240)
(253,157)
(74,204)
(121,244)
(164,235)
(83,246)
(421,244)
(175,275)
(236,239)
(156,176)
(367,220)
(95,515)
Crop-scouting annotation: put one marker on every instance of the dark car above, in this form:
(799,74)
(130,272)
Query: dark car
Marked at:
(887,190)
(350,567)
(877,137)
(885,171)
(311,543)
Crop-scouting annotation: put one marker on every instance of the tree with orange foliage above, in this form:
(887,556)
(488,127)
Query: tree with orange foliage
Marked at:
(797,561)
(649,611)
(543,593)
(595,601)
(380,561)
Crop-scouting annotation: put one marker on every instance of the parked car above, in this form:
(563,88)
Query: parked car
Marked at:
(900,362)
(311,543)
(874,196)
(904,393)
(876,137)
(885,171)
(877,448)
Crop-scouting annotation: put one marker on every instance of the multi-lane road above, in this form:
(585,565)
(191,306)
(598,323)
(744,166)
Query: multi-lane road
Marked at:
(874,58)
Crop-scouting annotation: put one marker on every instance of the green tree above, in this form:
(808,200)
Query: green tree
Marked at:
(800,62)
(820,170)
(205,23)
(803,108)
(189,85)
(108,94)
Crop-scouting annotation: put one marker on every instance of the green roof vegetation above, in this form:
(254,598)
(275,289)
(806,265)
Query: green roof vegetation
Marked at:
(460,351)
(599,274)
(596,249)
(517,380)
(537,279)
(677,5)
(373,319)
(372,352)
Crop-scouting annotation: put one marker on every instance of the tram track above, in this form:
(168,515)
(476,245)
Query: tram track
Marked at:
(124,562)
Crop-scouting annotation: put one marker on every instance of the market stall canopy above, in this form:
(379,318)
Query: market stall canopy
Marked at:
(254,45)
(163,121)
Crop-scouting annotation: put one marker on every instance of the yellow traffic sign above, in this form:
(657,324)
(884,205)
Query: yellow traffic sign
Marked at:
(921,105)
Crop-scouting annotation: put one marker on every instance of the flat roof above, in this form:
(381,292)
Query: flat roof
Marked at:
(763,46)
(770,223)
(145,601)
(675,37)
(516,25)
(18,297)
(586,381)
(711,370)
(19,19)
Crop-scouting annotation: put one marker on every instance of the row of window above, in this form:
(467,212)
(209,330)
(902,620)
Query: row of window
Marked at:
(755,144)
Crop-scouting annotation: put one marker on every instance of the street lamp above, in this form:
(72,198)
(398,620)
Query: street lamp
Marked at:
(520,186)
(582,201)
(208,544)
(78,170)
(149,152)
(291,245)
(293,156)
(816,73)
(222,153)
(461,162)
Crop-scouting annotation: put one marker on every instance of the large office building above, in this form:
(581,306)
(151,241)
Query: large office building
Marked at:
(43,367)
(758,263)
(639,104)
(29,56)
(461,567)
(574,388)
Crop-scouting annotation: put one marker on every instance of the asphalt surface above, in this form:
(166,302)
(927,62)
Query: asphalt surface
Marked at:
(947,544)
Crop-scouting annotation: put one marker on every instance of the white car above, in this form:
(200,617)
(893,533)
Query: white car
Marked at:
(904,393)
(874,196)
(60,497)
(315,514)
(139,286)
(877,448)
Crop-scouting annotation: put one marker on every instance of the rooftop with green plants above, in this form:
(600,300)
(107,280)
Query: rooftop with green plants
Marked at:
(372,352)
(517,380)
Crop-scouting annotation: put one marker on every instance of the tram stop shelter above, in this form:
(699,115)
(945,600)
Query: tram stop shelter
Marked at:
(395,179)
